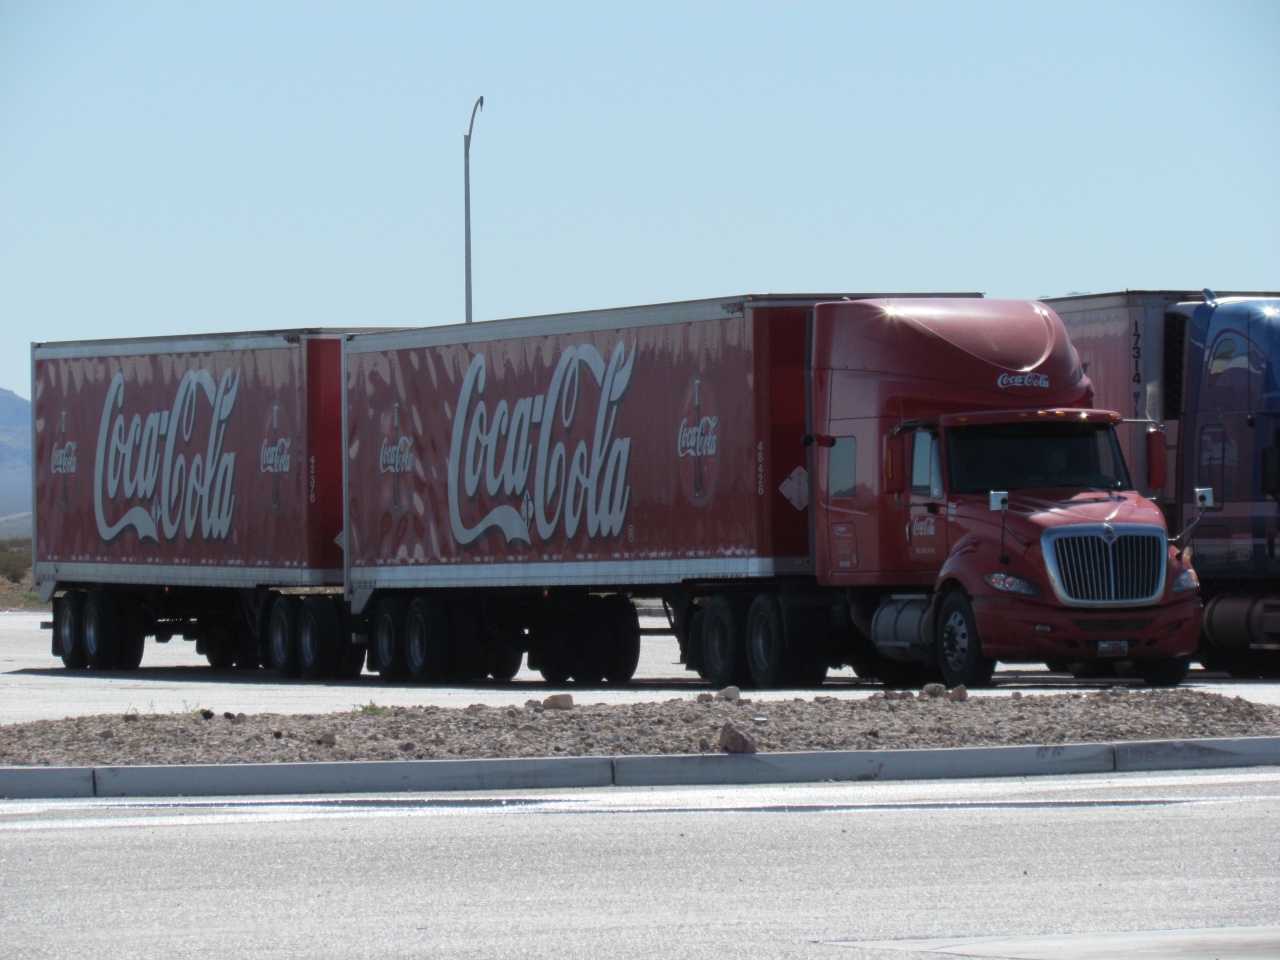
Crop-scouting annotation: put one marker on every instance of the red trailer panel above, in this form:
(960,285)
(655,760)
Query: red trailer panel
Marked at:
(540,453)
(188,461)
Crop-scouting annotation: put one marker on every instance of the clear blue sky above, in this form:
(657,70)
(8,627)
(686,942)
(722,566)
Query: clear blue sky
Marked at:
(210,166)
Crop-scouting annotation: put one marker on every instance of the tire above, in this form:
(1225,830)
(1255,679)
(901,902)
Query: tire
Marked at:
(694,660)
(351,659)
(959,646)
(549,649)
(427,641)
(282,638)
(319,637)
(1163,673)
(388,637)
(766,646)
(68,629)
(101,630)
(623,654)
(506,663)
(133,642)
(723,656)
(219,649)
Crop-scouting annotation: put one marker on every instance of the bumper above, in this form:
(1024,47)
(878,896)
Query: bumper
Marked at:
(1012,630)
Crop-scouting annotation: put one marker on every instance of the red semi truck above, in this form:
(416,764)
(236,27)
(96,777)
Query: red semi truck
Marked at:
(914,486)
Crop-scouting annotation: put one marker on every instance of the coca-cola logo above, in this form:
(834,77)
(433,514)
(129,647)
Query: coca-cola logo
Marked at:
(64,458)
(698,441)
(1040,380)
(397,457)
(275,456)
(168,478)
(523,455)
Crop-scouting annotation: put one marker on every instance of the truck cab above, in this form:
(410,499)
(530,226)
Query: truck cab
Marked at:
(974,506)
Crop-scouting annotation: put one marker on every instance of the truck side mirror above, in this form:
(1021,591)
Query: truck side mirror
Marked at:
(894,464)
(1271,471)
(1157,460)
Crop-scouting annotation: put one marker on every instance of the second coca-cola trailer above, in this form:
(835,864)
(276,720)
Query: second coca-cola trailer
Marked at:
(911,486)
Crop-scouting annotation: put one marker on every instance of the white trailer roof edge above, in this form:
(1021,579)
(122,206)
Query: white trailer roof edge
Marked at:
(586,321)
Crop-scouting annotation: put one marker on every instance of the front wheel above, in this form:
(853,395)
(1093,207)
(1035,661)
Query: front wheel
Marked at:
(959,647)
(1163,673)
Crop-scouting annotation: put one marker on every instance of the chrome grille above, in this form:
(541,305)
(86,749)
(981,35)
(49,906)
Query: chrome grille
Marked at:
(1106,564)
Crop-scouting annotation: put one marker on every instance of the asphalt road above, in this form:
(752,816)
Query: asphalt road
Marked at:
(172,678)
(1181,866)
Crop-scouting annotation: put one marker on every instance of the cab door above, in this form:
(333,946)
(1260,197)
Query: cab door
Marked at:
(926,521)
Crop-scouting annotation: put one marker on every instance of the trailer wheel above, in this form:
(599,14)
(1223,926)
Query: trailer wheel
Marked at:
(319,633)
(388,638)
(282,637)
(101,630)
(549,648)
(219,648)
(426,641)
(722,642)
(68,629)
(133,642)
(693,660)
(766,642)
(1163,673)
(351,657)
(959,647)
(506,662)
(623,654)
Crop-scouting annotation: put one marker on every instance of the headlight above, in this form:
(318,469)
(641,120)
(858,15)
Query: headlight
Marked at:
(1187,580)
(1011,584)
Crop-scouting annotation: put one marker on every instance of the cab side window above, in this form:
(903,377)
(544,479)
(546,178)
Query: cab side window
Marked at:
(926,465)
(842,467)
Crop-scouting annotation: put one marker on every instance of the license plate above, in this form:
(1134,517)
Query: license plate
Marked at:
(1113,648)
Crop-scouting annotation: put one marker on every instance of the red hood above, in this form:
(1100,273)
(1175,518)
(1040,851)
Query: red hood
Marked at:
(1031,511)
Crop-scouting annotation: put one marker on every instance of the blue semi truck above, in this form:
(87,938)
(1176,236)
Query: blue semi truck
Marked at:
(1202,372)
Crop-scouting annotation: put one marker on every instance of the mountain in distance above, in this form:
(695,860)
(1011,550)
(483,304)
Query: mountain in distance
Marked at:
(15,465)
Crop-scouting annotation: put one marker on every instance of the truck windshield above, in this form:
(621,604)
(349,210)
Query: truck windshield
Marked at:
(1020,456)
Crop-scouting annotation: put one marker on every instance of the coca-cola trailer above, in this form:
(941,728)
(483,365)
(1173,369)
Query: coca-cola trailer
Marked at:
(182,483)
(913,486)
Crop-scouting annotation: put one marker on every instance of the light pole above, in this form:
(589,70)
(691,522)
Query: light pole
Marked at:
(466,186)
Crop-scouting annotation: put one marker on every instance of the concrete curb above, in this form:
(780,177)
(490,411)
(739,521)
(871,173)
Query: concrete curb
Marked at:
(265,779)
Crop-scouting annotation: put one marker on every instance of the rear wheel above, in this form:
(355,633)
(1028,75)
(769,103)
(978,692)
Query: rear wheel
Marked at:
(623,655)
(723,656)
(219,649)
(766,642)
(959,647)
(282,637)
(319,637)
(101,630)
(133,641)
(68,629)
(426,641)
(388,637)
